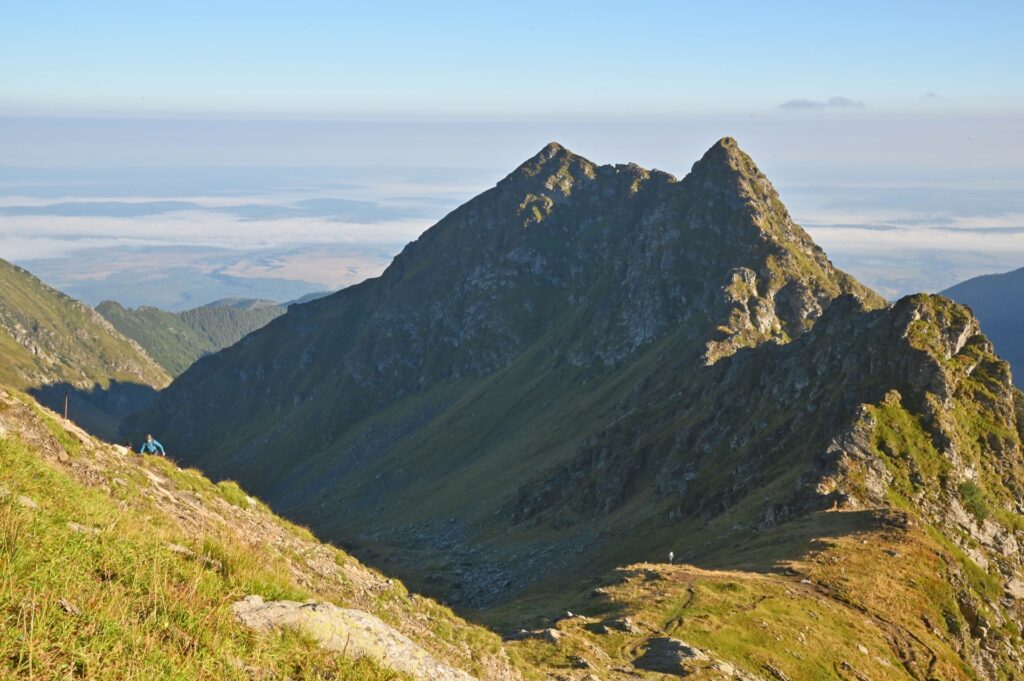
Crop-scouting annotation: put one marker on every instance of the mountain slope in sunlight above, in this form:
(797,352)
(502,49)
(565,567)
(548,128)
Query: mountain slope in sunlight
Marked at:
(52,345)
(177,339)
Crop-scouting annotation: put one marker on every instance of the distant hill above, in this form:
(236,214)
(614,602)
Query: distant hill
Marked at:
(998,302)
(51,344)
(177,339)
(308,298)
(243,303)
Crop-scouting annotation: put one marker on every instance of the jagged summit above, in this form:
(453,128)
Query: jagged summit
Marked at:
(726,147)
(726,169)
(553,149)
(552,167)
(725,152)
(552,152)
(724,160)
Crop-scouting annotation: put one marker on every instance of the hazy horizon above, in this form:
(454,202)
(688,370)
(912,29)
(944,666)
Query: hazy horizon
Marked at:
(154,158)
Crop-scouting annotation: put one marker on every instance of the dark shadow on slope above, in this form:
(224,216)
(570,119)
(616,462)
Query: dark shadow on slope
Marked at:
(98,410)
(770,551)
(766,552)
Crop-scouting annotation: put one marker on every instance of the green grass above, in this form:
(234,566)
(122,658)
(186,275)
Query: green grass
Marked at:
(118,604)
(177,339)
(974,500)
(232,493)
(148,559)
(73,343)
(69,442)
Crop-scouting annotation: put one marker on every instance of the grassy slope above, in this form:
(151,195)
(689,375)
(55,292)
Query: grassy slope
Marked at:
(73,344)
(176,340)
(919,610)
(92,584)
(834,615)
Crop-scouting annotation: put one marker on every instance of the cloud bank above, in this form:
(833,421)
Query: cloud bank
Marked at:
(830,103)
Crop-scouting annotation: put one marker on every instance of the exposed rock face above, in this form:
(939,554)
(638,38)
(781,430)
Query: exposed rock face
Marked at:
(672,656)
(354,633)
(669,655)
(906,407)
(566,274)
(998,301)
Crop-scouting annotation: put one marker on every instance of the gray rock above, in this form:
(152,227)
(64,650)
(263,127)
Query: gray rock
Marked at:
(354,633)
(625,624)
(669,656)
(550,635)
(1015,589)
(776,672)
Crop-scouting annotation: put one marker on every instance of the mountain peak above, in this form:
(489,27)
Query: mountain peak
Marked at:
(555,166)
(725,156)
(727,171)
(552,149)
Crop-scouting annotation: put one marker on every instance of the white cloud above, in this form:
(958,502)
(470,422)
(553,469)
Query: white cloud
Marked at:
(830,103)
(36,236)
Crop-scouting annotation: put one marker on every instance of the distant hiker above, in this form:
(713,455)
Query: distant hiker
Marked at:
(151,446)
(671,556)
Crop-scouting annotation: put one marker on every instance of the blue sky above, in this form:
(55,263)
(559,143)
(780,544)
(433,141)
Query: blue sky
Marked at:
(893,130)
(547,59)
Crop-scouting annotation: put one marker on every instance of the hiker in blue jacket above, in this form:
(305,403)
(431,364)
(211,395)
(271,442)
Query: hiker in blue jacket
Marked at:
(151,446)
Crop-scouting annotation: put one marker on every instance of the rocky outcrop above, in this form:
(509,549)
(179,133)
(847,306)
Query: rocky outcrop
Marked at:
(351,632)
(545,305)
(672,656)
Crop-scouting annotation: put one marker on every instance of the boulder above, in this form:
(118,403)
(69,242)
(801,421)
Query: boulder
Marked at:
(354,633)
(669,656)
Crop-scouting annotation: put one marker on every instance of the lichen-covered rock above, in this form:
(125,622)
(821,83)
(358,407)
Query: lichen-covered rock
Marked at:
(350,632)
